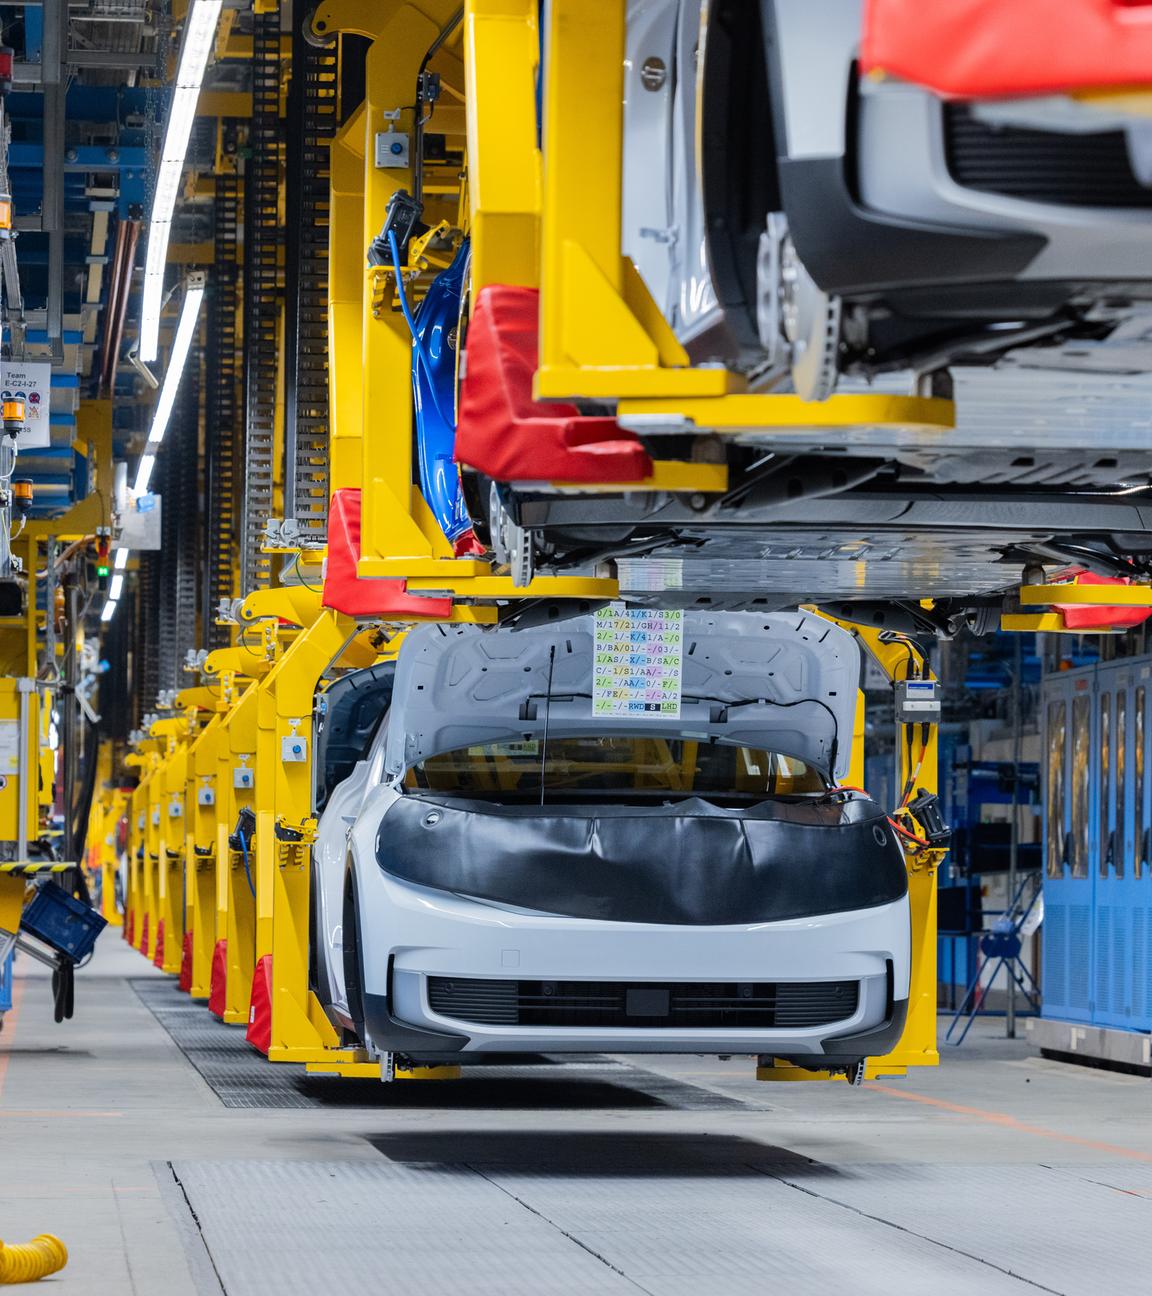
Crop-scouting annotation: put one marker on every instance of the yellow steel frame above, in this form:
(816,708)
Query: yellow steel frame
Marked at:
(171,837)
(1051,622)
(554,226)
(917,1046)
(109,804)
(200,857)
(1087,595)
(235,902)
(601,334)
(285,828)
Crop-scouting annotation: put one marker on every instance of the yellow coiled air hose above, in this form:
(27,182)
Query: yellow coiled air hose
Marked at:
(28,1261)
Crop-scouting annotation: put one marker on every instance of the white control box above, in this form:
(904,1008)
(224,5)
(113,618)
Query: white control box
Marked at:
(294,748)
(244,778)
(392,149)
(205,796)
(917,701)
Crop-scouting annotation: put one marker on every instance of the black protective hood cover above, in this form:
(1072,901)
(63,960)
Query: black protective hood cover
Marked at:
(692,862)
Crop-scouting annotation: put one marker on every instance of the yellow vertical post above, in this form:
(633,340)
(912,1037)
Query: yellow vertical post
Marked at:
(501,58)
(601,334)
(917,1046)
(285,829)
(200,860)
(173,844)
(236,924)
(152,859)
(401,35)
(110,855)
(135,906)
(346,306)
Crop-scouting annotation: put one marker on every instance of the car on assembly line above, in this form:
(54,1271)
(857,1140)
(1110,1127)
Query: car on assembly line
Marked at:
(799,219)
(820,227)
(501,872)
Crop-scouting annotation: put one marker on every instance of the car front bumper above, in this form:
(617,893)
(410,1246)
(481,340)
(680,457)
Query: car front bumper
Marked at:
(412,933)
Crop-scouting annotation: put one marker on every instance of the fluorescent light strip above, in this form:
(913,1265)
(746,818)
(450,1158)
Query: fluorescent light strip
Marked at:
(109,610)
(120,559)
(116,588)
(195,50)
(185,331)
(144,474)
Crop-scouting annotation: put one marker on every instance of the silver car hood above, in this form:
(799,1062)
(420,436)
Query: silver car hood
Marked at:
(795,675)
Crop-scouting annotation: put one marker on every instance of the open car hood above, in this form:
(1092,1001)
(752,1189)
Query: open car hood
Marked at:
(796,676)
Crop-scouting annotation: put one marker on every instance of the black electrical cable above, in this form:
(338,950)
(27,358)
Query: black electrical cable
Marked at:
(547,717)
(418,132)
(742,702)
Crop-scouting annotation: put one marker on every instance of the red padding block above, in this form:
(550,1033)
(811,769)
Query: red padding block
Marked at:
(158,955)
(143,946)
(129,925)
(218,984)
(507,435)
(346,592)
(186,964)
(1080,616)
(987,48)
(260,1013)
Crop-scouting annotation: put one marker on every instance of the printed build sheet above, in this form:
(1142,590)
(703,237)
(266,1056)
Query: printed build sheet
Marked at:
(639,662)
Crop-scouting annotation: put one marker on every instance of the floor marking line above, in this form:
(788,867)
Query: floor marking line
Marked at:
(10,1019)
(1010,1122)
(562,1231)
(70,1113)
(900,1228)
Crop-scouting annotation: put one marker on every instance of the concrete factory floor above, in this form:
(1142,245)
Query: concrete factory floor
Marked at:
(172,1172)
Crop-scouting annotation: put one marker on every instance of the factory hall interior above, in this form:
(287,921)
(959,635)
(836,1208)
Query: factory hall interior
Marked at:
(576,647)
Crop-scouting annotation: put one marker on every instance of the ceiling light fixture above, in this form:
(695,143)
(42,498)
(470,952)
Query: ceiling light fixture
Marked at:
(195,48)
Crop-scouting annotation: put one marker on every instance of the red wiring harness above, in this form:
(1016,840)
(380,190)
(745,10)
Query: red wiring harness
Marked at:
(921,842)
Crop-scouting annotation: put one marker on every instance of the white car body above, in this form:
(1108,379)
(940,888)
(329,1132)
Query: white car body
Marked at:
(441,971)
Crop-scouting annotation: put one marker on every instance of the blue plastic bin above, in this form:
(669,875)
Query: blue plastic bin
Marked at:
(63,922)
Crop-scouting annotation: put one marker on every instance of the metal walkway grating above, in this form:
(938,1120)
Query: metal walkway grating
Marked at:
(241,1077)
(494,1211)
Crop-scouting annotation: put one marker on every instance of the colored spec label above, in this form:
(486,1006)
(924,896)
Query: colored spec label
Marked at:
(638,662)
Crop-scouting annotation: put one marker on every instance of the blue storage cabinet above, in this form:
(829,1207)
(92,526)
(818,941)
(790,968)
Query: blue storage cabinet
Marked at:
(6,982)
(1097,725)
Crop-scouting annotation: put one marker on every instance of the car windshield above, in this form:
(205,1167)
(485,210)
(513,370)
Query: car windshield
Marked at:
(615,764)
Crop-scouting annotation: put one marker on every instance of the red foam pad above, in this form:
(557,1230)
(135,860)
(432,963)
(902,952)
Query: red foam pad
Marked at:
(143,946)
(218,985)
(158,954)
(260,1013)
(129,924)
(1081,616)
(346,592)
(185,982)
(507,435)
(987,48)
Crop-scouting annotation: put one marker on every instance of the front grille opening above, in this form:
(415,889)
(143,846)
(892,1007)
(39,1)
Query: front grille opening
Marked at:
(1092,170)
(759,1005)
